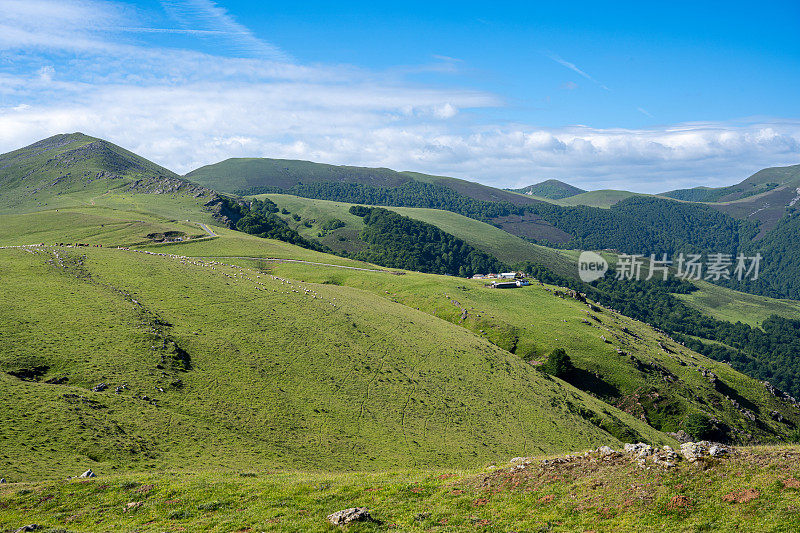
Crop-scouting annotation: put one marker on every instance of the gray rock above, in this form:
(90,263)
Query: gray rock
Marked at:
(345,516)
(640,450)
(3,480)
(606,451)
(694,451)
(717,450)
(29,527)
(88,473)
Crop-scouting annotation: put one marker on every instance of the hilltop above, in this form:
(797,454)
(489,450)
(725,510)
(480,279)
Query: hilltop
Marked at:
(551,189)
(763,197)
(248,176)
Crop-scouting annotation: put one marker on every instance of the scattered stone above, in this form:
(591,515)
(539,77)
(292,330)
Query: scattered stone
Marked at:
(132,506)
(717,451)
(29,527)
(3,480)
(88,474)
(346,516)
(606,451)
(695,451)
(99,387)
(639,450)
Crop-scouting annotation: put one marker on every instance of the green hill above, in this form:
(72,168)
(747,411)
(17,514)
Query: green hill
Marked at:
(248,176)
(764,197)
(208,365)
(761,182)
(551,189)
(603,198)
(508,248)
(237,352)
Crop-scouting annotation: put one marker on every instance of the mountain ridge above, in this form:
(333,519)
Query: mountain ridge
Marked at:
(552,189)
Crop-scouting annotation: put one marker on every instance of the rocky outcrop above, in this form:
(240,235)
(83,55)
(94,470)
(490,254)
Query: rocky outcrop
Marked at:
(696,451)
(346,516)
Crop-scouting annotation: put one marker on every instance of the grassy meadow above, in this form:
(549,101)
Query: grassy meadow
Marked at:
(755,490)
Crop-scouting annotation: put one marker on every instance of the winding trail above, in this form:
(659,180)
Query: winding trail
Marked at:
(207,230)
(278,260)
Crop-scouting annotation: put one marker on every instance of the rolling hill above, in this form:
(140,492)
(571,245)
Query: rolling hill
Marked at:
(218,366)
(286,357)
(763,197)
(551,189)
(248,176)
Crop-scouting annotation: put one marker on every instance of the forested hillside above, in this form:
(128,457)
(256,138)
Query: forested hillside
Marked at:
(401,242)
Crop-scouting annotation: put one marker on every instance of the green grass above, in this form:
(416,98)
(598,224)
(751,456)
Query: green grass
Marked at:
(95,225)
(602,198)
(281,374)
(506,247)
(582,495)
(726,304)
(531,322)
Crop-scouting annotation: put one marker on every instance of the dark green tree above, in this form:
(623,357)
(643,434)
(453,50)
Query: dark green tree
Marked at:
(558,363)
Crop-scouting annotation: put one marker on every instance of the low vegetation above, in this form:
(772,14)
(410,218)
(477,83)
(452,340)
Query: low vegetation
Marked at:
(754,490)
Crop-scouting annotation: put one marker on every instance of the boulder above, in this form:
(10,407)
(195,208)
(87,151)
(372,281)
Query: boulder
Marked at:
(607,451)
(694,451)
(717,450)
(640,450)
(88,474)
(346,516)
(29,527)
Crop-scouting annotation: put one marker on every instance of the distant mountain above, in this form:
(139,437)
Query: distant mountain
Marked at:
(761,182)
(67,167)
(552,189)
(247,176)
(763,197)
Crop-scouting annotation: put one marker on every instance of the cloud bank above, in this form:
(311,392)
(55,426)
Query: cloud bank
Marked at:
(81,66)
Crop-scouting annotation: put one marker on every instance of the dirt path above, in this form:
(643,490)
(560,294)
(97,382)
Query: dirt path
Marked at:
(292,261)
(207,230)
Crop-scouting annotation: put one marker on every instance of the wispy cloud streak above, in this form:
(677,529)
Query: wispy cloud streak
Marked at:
(206,15)
(573,67)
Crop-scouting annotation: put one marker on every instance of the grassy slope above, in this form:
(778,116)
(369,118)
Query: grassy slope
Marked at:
(581,495)
(95,225)
(602,198)
(554,322)
(506,247)
(552,189)
(734,306)
(291,375)
(237,174)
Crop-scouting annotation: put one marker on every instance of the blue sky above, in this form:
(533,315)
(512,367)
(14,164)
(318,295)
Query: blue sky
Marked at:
(635,96)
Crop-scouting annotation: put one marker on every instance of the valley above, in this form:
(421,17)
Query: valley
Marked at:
(209,346)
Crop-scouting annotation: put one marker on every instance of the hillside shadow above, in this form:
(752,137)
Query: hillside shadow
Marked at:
(591,383)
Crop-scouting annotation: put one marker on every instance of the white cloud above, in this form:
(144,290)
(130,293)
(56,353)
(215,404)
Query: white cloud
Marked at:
(184,109)
(46,73)
(209,16)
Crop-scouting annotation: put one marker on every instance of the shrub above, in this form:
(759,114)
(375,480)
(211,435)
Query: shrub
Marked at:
(333,224)
(697,425)
(558,363)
